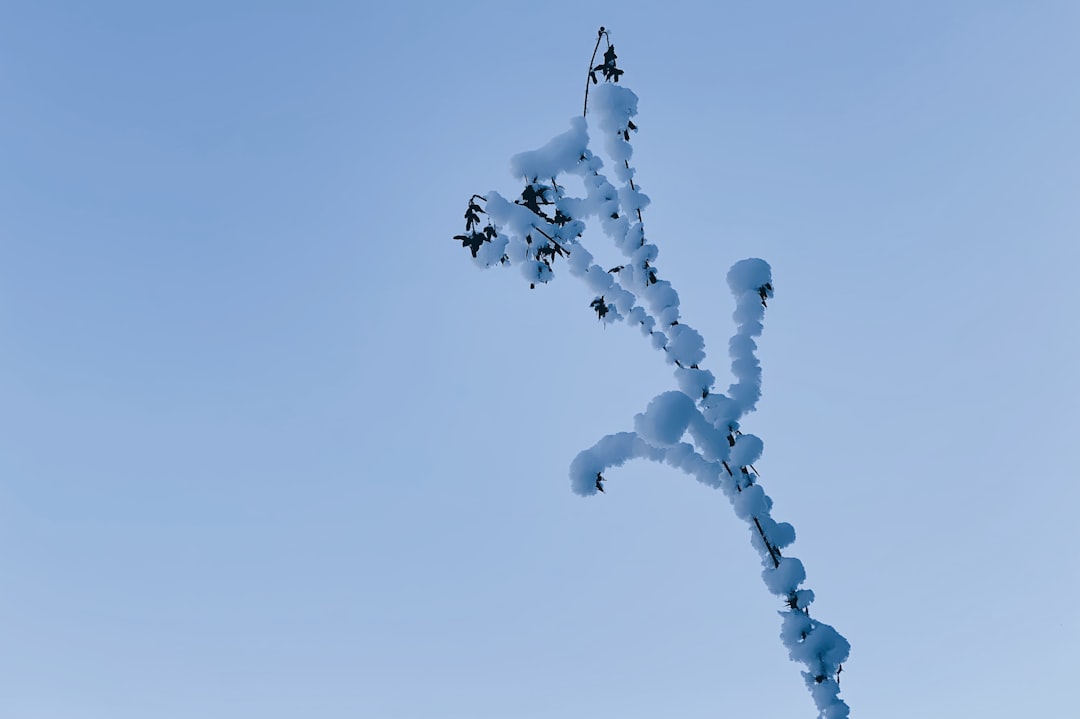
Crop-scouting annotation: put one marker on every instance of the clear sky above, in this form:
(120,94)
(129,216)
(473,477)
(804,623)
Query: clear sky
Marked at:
(271,446)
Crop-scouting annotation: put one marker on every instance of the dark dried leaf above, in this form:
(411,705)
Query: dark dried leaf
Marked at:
(473,241)
(600,307)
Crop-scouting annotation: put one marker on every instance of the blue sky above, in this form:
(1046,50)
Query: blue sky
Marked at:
(271,446)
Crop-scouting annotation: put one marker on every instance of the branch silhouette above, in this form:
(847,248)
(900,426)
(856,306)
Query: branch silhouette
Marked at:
(524,233)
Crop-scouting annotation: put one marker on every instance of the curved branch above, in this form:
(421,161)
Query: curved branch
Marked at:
(588,76)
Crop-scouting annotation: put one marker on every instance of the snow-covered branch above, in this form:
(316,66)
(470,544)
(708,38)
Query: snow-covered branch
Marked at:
(546,223)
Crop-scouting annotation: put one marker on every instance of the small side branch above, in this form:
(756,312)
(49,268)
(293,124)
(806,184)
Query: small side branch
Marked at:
(590,77)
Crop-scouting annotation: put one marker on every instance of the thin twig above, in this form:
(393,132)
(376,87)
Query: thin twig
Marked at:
(772,551)
(588,77)
(632,187)
(551,239)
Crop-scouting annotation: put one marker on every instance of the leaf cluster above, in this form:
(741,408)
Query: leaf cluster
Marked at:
(607,68)
(600,307)
(474,239)
(535,197)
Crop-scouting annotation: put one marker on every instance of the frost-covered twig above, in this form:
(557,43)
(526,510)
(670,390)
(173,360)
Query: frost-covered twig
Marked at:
(545,223)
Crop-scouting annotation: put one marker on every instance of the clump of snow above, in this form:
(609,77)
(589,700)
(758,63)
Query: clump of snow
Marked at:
(633,199)
(573,207)
(686,345)
(612,109)
(663,302)
(615,104)
(779,534)
(622,300)
(614,450)
(535,271)
(643,320)
(711,441)
(768,536)
(795,626)
(490,253)
(516,249)
(786,578)
(751,502)
(803,597)
(683,457)
(664,421)
(722,411)
(694,382)
(642,255)
(821,647)
(826,697)
(748,275)
(559,155)
(579,261)
(598,280)
(747,450)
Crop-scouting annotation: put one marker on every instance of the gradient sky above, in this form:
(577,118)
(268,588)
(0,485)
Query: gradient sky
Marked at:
(271,446)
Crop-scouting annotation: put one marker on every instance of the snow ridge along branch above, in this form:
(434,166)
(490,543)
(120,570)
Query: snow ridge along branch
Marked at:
(545,223)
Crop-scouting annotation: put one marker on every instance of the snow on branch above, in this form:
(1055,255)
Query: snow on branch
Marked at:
(545,224)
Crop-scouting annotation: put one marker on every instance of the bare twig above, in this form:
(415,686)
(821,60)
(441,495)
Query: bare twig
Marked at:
(588,76)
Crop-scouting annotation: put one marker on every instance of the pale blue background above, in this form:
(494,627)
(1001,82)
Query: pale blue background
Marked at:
(271,446)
